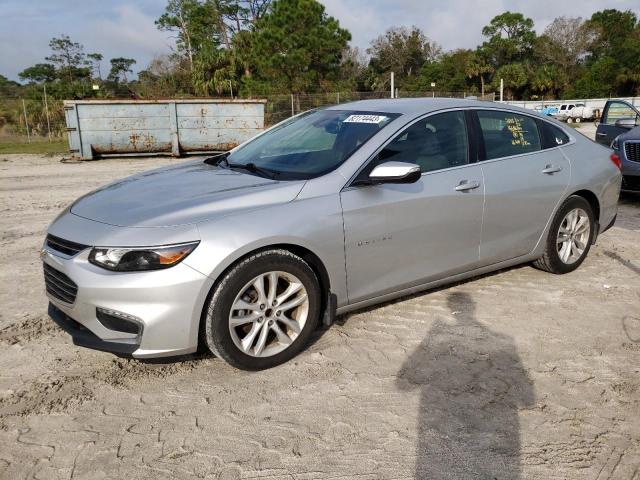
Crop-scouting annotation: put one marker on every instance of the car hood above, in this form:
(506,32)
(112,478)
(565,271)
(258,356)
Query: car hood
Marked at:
(187,193)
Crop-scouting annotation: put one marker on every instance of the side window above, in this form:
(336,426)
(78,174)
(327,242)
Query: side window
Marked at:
(616,111)
(552,136)
(436,142)
(507,133)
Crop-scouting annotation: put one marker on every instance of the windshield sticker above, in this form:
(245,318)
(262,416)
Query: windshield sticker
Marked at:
(365,119)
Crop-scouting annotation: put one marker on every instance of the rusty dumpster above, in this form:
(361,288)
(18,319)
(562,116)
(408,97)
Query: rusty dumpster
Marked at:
(175,127)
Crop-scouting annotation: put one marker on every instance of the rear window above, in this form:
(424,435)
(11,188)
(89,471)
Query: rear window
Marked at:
(507,133)
(552,136)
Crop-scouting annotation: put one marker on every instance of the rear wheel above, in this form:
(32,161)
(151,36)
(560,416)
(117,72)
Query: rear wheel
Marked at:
(569,238)
(263,311)
(578,119)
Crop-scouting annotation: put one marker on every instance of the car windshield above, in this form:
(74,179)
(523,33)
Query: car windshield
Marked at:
(310,144)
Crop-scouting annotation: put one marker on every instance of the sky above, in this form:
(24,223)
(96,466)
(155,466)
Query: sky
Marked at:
(126,28)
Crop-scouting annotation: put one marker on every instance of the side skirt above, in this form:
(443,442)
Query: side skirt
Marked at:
(437,283)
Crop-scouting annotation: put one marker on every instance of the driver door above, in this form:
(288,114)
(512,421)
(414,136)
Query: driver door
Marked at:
(614,110)
(402,235)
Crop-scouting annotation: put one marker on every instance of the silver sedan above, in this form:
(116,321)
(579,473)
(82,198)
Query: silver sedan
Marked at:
(246,253)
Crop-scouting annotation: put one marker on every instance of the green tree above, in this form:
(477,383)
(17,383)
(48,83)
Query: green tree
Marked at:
(515,76)
(479,67)
(403,51)
(561,50)
(38,73)
(94,60)
(8,88)
(510,38)
(618,45)
(546,80)
(120,66)
(297,45)
(68,57)
(614,30)
(196,24)
(448,71)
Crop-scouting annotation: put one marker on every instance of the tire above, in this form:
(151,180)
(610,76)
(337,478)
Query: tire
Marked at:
(555,258)
(578,119)
(569,120)
(237,287)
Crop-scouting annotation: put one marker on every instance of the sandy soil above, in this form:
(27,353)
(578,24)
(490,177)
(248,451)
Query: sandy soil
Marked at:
(518,374)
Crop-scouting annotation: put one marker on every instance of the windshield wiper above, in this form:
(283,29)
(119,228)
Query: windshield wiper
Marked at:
(217,160)
(253,168)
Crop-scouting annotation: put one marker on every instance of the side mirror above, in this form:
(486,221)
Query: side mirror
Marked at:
(628,123)
(395,172)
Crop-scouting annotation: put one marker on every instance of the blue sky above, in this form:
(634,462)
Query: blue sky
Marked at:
(125,27)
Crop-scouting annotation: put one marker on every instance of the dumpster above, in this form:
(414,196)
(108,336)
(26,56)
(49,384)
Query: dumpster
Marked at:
(174,127)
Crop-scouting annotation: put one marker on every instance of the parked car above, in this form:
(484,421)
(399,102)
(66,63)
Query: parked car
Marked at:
(619,127)
(563,111)
(336,209)
(549,110)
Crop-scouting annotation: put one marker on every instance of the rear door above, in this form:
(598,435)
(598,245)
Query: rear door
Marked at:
(524,181)
(613,111)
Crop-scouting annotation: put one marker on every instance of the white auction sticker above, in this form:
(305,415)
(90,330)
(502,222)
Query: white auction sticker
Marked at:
(365,119)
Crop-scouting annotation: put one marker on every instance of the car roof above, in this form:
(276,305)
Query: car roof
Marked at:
(418,106)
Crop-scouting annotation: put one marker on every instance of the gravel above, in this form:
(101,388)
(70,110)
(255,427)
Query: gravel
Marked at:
(516,374)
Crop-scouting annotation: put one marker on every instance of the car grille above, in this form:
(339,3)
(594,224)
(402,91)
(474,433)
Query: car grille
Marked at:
(632,149)
(58,285)
(64,246)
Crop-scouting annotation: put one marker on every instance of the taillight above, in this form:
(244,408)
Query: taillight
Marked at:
(616,160)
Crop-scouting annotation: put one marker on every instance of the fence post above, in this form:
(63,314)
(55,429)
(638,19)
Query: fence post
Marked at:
(26,122)
(338,97)
(392,84)
(46,109)
(293,112)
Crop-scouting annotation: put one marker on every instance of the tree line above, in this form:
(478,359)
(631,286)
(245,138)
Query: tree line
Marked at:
(268,47)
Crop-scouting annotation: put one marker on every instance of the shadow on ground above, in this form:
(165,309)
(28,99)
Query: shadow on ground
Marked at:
(472,383)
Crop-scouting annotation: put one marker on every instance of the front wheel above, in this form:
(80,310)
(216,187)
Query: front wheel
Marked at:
(569,238)
(263,310)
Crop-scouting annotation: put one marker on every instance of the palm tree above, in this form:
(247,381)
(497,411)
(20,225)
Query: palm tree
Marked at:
(478,67)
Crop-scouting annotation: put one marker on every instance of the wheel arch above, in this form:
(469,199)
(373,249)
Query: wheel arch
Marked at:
(311,258)
(593,200)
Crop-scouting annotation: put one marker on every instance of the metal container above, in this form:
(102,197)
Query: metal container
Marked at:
(104,127)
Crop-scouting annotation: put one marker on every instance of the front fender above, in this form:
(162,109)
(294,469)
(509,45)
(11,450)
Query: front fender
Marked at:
(314,224)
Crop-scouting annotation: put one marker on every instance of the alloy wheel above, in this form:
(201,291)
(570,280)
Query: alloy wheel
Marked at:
(573,236)
(268,314)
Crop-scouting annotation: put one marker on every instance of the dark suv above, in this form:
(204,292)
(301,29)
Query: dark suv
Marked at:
(619,128)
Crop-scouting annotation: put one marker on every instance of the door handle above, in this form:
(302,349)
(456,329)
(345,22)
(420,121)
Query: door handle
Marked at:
(549,169)
(465,186)
(600,134)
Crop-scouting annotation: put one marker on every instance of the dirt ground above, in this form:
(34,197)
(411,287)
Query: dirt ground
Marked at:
(518,374)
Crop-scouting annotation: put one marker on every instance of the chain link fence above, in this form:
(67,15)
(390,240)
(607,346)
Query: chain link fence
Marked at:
(281,107)
(24,119)
(32,118)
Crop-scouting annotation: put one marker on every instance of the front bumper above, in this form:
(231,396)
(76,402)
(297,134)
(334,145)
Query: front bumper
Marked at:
(167,304)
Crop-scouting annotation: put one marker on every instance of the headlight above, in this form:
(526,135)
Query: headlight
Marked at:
(614,144)
(133,259)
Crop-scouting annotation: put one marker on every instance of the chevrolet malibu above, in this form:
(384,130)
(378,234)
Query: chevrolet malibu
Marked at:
(248,252)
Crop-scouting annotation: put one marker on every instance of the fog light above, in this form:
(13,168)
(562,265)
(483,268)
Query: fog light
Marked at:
(119,321)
